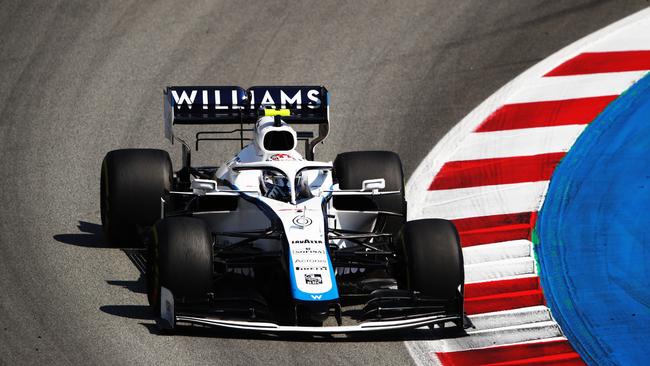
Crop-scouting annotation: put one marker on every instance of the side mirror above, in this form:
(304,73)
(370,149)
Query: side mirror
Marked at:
(369,185)
(200,186)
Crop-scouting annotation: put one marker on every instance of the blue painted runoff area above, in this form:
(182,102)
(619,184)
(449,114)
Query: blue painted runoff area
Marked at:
(593,235)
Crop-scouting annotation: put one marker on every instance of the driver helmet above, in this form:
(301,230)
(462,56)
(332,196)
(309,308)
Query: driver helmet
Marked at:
(275,185)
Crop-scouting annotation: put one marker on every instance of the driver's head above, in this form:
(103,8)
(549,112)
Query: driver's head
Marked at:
(302,187)
(275,185)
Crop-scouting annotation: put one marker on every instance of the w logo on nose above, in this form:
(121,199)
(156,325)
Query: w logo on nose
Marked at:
(316,297)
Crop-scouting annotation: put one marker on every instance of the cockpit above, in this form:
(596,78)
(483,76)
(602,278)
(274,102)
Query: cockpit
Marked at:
(276,185)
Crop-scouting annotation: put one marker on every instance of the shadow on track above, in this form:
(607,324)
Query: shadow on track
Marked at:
(138,286)
(90,236)
(140,312)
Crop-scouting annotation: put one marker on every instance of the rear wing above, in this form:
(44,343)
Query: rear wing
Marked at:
(229,105)
(197,105)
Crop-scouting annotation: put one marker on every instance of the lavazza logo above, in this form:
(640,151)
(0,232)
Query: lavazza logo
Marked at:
(307,241)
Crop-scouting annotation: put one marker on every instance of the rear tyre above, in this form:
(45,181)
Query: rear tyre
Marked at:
(181,260)
(352,168)
(132,182)
(433,258)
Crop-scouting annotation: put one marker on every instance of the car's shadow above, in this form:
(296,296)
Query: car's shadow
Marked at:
(140,312)
(91,236)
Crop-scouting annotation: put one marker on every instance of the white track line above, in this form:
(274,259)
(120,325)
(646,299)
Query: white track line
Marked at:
(522,142)
(481,201)
(495,337)
(497,251)
(633,37)
(515,277)
(579,86)
(501,319)
(507,335)
(497,270)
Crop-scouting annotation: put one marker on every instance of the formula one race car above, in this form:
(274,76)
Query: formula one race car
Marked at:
(272,240)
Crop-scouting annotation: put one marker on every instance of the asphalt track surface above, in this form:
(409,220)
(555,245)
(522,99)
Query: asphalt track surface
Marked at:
(79,78)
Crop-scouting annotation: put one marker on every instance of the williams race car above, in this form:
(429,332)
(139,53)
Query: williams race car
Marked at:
(273,240)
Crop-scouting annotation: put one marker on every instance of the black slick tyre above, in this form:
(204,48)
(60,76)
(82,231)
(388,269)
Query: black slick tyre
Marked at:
(352,168)
(433,258)
(181,259)
(132,183)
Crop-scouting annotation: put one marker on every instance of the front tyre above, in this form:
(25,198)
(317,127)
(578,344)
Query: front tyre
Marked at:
(181,260)
(433,258)
(132,183)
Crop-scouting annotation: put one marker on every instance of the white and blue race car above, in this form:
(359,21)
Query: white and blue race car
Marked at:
(272,240)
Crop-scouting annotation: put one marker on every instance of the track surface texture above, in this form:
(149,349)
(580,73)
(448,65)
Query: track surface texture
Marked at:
(79,78)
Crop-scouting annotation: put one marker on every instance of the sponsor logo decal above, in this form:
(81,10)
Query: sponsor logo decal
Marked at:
(308,251)
(272,98)
(302,221)
(323,268)
(209,98)
(310,261)
(313,279)
(235,98)
(316,297)
(307,241)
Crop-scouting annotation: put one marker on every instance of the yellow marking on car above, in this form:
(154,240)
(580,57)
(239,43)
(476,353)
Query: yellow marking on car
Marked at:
(283,112)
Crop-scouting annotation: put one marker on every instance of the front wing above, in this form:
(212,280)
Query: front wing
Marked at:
(362,327)
(169,319)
